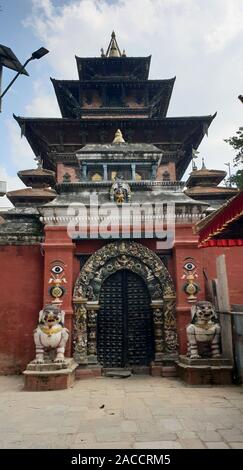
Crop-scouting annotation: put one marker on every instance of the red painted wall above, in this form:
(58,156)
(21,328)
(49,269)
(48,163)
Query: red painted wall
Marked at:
(234,265)
(21,286)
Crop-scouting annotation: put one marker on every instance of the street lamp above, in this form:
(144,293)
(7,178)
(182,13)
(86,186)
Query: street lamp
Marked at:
(8,59)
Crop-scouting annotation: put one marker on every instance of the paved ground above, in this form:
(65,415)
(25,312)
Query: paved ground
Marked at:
(139,412)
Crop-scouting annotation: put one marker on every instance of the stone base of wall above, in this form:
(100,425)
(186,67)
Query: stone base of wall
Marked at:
(44,377)
(205,371)
(169,371)
(87,372)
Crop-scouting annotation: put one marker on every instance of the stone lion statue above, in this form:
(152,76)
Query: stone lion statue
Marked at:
(50,333)
(203,333)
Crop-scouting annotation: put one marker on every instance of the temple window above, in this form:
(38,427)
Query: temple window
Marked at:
(121,171)
(114,98)
(89,98)
(166,176)
(66,178)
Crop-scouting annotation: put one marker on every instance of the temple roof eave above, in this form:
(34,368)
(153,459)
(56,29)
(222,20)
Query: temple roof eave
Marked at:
(71,108)
(145,62)
(64,200)
(35,130)
(23,119)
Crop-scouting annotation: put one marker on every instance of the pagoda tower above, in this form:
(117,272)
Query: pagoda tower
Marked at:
(203,185)
(113,92)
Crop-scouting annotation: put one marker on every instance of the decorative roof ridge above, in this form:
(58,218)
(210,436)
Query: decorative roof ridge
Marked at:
(145,183)
(207,172)
(194,189)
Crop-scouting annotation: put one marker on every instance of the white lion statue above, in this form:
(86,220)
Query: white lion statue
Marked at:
(203,333)
(50,333)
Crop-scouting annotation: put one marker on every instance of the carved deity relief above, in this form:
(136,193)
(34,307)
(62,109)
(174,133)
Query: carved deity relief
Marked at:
(120,191)
(80,331)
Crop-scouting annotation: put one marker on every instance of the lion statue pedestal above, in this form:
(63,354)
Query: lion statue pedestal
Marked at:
(50,370)
(203,364)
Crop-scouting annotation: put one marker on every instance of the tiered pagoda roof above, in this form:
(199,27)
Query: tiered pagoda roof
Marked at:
(113,92)
(39,190)
(203,185)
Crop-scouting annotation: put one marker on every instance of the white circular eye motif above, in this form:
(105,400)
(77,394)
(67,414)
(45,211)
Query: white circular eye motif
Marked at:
(57,269)
(189,266)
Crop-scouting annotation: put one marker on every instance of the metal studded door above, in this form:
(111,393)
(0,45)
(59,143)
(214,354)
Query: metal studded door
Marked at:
(125,328)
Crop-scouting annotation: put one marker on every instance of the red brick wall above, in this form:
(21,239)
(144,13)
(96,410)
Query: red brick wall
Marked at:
(170,167)
(62,169)
(21,287)
(96,101)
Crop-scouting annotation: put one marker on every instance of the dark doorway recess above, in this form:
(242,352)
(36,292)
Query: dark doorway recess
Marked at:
(125,325)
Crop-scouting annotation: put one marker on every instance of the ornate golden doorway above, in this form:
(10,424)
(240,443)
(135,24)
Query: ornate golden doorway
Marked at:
(117,257)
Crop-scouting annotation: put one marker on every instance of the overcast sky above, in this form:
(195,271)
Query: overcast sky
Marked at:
(199,41)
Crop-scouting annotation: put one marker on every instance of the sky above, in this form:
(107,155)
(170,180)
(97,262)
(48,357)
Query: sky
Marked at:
(198,41)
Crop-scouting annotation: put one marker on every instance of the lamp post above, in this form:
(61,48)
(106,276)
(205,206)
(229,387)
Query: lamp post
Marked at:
(21,68)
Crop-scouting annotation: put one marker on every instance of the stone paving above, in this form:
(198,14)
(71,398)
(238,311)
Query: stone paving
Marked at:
(139,412)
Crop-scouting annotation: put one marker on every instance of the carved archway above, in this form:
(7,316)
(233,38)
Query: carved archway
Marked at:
(106,261)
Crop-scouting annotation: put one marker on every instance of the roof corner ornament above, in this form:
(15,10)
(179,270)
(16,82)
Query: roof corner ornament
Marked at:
(195,154)
(38,161)
(118,139)
(203,164)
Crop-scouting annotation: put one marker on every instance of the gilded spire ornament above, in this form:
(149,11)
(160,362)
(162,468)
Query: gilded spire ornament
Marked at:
(118,139)
(113,48)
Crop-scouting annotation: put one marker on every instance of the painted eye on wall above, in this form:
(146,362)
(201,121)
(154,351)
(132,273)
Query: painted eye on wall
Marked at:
(57,269)
(189,266)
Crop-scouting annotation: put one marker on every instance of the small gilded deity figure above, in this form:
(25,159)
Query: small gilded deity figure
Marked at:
(50,333)
(120,191)
(203,333)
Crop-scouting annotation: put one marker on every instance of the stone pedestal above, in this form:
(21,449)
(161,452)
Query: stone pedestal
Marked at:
(205,371)
(50,376)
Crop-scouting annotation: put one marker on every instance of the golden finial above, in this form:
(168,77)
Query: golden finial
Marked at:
(113,48)
(118,139)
